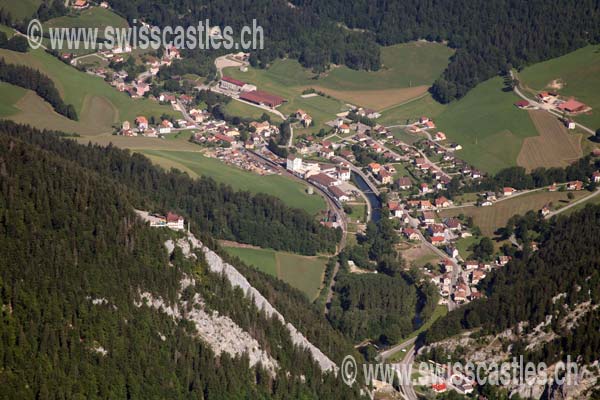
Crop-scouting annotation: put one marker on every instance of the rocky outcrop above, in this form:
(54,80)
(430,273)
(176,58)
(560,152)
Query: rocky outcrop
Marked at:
(217,265)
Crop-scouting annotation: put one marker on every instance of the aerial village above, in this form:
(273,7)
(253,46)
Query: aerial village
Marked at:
(412,176)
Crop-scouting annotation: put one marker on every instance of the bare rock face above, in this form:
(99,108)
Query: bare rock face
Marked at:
(221,333)
(217,265)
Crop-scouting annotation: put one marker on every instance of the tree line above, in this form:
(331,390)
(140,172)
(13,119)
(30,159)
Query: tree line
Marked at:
(33,79)
(214,208)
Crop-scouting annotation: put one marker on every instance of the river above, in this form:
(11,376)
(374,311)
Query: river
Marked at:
(371,197)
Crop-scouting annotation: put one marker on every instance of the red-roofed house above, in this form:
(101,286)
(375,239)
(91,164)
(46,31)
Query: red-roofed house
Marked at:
(175,221)
(572,106)
(508,191)
(575,185)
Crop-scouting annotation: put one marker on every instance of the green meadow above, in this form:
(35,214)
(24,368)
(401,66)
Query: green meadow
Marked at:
(489,127)
(98,105)
(578,73)
(93,17)
(20,9)
(303,273)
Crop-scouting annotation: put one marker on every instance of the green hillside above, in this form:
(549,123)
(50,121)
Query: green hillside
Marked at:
(575,74)
(487,125)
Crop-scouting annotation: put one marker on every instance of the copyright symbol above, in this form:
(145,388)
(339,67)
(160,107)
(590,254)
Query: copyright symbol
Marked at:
(34,33)
(349,370)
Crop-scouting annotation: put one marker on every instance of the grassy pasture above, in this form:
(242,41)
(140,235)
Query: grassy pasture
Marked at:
(302,272)
(489,219)
(408,69)
(98,105)
(579,75)
(10,96)
(93,17)
(489,127)
(554,147)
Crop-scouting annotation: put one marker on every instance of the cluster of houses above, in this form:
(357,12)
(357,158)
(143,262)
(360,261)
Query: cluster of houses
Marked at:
(138,87)
(569,106)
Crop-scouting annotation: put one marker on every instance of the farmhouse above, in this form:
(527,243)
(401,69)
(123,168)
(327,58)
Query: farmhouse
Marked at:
(304,118)
(442,202)
(262,98)
(172,221)
(385,177)
(522,104)
(142,123)
(572,106)
(80,4)
(440,136)
(575,185)
(508,191)
(235,85)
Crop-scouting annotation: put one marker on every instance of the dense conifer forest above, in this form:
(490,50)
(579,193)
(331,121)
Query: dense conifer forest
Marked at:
(74,257)
(213,208)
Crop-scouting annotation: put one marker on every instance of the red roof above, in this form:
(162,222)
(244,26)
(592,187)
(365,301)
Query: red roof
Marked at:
(522,103)
(260,97)
(224,138)
(233,81)
(172,217)
(571,105)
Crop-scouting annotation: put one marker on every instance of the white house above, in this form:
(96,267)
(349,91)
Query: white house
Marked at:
(294,163)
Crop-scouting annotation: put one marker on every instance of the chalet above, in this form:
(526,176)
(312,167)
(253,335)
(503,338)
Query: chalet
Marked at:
(437,240)
(344,128)
(460,296)
(348,155)
(142,123)
(404,183)
(303,117)
(545,211)
(425,188)
(553,188)
(442,202)
(165,126)
(452,251)
(575,185)
(262,128)
(429,125)
(80,4)
(411,234)
(436,230)
(508,191)
(419,161)
(425,205)
(596,177)
(447,265)
(439,136)
(446,279)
